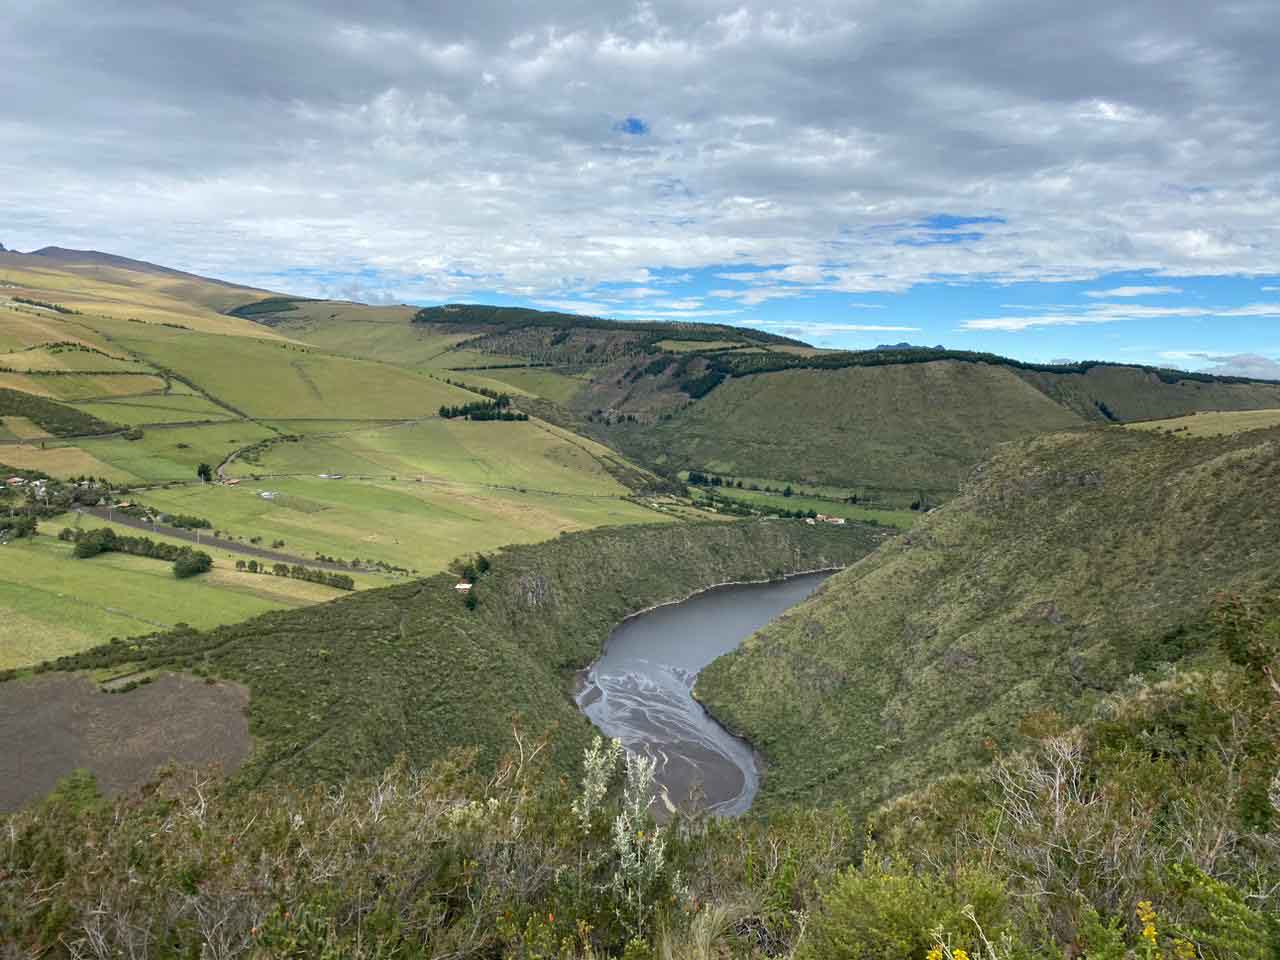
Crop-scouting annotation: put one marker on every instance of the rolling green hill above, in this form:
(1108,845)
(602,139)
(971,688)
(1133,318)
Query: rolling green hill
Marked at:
(736,401)
(1067,563)
(921,425)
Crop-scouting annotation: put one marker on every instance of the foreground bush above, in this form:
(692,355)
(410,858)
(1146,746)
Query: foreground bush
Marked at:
(1151,832)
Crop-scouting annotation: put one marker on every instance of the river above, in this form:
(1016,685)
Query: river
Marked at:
(641,689)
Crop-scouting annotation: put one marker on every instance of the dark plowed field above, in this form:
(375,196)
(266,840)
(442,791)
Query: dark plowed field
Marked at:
(51,725)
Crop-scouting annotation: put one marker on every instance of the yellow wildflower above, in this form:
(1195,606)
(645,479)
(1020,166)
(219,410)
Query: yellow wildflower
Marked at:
(1184,950)
(959,955)
(1146,913)
(1149,933)
(934,954)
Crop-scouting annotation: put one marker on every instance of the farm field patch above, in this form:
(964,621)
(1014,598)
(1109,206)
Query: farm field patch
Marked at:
(52,604)
(416,525)
(266,379)
(172,407)
(1218,423)
(556,387)
(173,453)
(82,386)
(528,454)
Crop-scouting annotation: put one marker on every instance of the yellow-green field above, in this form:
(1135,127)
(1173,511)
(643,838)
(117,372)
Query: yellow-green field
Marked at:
(1219,423)
(173,453)
(416,525)
(52,603)
(556,387)
(170,407)
(528,454)
(149,297)
(266,379)
(82,386)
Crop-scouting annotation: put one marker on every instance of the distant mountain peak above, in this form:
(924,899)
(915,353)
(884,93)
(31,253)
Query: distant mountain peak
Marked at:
(908,346)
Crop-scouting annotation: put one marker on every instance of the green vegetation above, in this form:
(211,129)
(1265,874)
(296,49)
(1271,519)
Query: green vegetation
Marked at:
(91,543)
(1149,831)
(173,453)
(1046,583)
(344,688)
(259,309)
(906,427)
(55,605)
(273,379)
(56,418)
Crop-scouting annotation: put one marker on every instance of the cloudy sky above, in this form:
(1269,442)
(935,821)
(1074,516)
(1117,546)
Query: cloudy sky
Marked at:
(1047,180)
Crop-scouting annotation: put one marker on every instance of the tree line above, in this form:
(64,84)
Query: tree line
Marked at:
(496,409)
(298,572)
(89,543)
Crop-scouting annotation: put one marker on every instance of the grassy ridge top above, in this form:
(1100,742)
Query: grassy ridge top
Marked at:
(345,687)
(1067,563)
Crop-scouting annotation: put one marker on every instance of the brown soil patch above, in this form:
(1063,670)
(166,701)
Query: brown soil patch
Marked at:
(52,725)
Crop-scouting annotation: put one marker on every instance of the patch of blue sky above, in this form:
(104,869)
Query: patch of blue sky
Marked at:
(632,126)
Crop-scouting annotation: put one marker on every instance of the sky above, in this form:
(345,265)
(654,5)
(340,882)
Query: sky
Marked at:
(1094,180)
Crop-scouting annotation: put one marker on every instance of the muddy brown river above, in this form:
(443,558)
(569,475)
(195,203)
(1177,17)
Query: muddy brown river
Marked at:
(641,689)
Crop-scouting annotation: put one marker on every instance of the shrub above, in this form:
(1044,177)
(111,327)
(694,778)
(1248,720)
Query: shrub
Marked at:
(892,912)
(190,563)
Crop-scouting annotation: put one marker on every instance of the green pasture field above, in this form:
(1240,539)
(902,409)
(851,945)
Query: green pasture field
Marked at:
(53,604)
(82,386)
(67,359)
(902,519)
(416,525)
(557,387)
(509,454)
(155,408)
(272,379)
(158,456)
(390,338)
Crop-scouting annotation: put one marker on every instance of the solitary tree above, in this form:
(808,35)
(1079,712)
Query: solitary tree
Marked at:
(205,472)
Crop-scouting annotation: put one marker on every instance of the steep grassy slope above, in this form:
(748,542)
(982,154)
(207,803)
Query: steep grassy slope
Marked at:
(918,426)
(346,687)
(1134,393)
(1068,563)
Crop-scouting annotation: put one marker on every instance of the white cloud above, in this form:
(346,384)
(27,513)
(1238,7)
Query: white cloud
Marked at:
(1254,365)
(1132,292)
(1112,313)
(467,148)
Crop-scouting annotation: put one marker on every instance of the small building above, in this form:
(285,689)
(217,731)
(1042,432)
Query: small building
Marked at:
(231,483)
(462,585)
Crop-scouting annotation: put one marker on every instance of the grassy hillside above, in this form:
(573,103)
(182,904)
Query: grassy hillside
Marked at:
(344,688)
(97,284)
(267,379)
(1134,393)
(909,426)
(1068,563)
